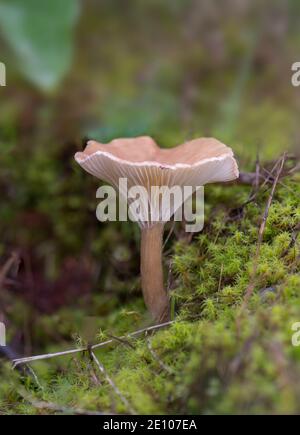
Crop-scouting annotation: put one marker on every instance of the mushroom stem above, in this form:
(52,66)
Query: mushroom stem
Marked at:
(155,295)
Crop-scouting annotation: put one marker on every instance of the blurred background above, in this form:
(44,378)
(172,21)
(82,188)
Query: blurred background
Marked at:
(101,69)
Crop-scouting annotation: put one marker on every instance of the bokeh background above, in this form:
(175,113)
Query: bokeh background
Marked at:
(101,69)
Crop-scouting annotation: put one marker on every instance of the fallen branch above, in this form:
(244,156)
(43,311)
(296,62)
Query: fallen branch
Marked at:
(29,359)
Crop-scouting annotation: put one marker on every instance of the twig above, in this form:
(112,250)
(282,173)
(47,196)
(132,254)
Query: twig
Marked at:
(257,173)
(94,376)
(58,408)
(250,178)
(279,182)
(169,235)
(156,357)
(221,277)
(29,359)
(111,383)
(122,341)
(293,242)
(294,169)
(7,266)
(169,277)
(254,192)
(251,285)
(240,357)
(281,362)
(36,379)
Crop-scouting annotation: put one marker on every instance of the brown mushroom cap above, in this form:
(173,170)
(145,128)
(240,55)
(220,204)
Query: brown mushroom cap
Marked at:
(143,162)
(142,152)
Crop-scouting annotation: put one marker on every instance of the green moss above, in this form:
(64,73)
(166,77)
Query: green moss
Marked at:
(222,360)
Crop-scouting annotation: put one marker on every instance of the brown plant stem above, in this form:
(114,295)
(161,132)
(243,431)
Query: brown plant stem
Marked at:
(154,292)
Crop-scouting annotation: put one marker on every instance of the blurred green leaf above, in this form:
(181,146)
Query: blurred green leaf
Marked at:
(41,36)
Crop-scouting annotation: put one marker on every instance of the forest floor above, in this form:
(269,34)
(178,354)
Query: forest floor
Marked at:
(235,293)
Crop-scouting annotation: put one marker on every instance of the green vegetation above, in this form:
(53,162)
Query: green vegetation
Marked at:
(219,360)
(68,271)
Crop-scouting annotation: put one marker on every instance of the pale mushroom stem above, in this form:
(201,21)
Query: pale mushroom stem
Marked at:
(154,292)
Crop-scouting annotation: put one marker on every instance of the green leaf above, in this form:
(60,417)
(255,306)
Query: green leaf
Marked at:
(40,34)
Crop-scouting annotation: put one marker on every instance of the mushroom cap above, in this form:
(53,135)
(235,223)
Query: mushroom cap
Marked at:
(142,162)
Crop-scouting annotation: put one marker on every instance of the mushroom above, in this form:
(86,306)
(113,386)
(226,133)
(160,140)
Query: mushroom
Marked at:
(143,163)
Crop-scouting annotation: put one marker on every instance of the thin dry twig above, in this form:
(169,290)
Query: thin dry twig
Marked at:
(111,383)
(256,178)
(156,357)
(254,192)
(169,280)
(57,408)
(256,185)
(279,182)
(169,235)
(281,362)
(221,278)
(29,359)
(294,169)
(34,376)
(13,259)
(294,236)
(248,178)
(94,375)
(262,228)
(122,341)
(240,357)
